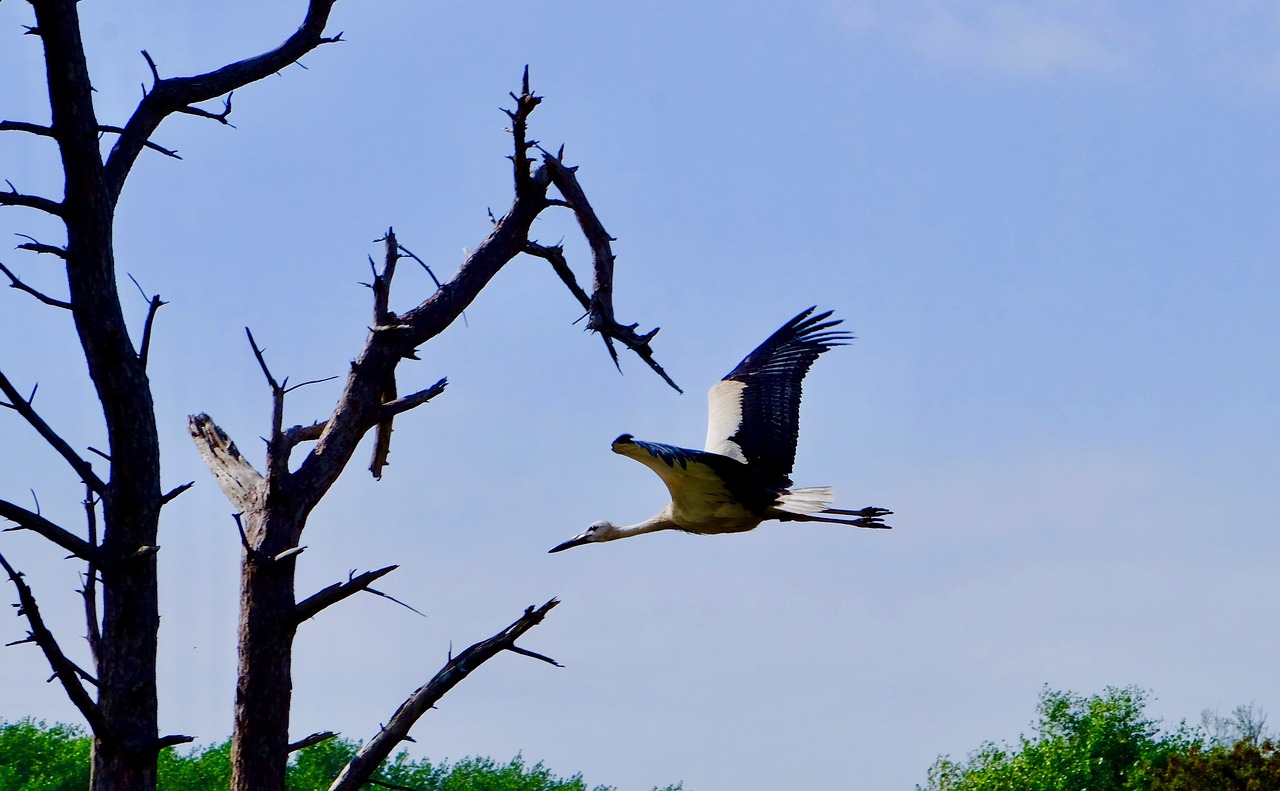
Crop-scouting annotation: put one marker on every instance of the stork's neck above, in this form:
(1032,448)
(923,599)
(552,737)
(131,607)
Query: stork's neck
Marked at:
(660,521)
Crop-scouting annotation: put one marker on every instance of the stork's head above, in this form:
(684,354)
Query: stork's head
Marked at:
(599,531)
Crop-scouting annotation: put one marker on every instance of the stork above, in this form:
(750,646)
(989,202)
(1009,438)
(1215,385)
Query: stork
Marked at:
(742,478)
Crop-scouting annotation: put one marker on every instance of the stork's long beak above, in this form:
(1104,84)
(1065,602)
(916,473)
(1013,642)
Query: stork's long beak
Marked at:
(577,540)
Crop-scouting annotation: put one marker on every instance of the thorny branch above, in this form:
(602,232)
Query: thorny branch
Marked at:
(64,669)
(376,750)
(181,94)
(600,306)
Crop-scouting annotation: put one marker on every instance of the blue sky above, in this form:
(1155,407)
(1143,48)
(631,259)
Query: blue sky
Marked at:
(1052,227)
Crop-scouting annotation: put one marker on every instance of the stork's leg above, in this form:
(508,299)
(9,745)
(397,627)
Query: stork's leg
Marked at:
(870,517)
(870,512)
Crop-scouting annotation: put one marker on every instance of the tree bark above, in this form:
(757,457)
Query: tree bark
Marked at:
(124,757)
(264,678)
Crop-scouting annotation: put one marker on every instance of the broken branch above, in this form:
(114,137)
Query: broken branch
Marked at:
(237,478)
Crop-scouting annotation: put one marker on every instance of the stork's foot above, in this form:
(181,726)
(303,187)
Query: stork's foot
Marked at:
(874,522)
(870,512)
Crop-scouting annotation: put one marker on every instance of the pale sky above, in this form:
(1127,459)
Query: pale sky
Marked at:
(1053,228)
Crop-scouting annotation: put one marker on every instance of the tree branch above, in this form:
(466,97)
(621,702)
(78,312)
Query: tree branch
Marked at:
(310,741)
(383,317)
(117,130)
(15,198)
(360,406)
(35,246)
(180,94)
(554,254)
(296,434)
(93,627)
(237,478)
(376,750)
(23,126)
(154,303)
(30,520)
(414,399)
(601,305)
(312,605)
(16,282)
(23,407)
(63,668)
(277,451)
(172,740)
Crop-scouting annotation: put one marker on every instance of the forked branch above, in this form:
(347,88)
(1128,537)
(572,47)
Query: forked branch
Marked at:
(356,773)
(599,306)
(182,94)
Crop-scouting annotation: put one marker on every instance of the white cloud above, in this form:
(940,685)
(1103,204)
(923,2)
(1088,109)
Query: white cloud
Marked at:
(1016,38)
(1231,43)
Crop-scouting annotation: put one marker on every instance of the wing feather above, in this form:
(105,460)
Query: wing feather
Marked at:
(754,412)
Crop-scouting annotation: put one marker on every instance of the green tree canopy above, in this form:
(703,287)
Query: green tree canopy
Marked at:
(37,757)
(1107,742)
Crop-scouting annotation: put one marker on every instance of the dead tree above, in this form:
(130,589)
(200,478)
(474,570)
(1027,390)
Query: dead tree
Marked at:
(123,505)
(272,505)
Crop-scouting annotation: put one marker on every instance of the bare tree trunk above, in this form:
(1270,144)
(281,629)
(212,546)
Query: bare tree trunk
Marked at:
(264,679)
(124,757)
(123,717)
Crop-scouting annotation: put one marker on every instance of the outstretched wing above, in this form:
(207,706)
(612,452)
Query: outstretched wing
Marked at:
(696,479)
(754,412)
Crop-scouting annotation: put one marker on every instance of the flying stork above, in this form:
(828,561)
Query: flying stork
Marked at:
(741,479)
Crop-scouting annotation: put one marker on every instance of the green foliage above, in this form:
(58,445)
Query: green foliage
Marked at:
(34,757)
(1243,766)
(195,770)
(1107,743)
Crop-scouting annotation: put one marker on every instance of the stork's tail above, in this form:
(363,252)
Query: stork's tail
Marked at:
(810,505)
(812,500)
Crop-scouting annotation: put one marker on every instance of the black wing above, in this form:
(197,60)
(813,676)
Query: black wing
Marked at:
(755,410)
